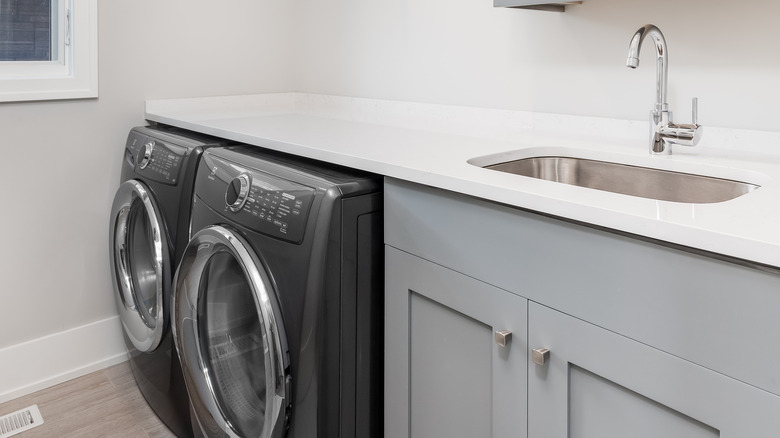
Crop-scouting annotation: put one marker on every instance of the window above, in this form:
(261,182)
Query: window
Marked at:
(48,49)
(26,28)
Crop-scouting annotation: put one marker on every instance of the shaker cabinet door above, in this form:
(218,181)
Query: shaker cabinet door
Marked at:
(446,374)
(599,384)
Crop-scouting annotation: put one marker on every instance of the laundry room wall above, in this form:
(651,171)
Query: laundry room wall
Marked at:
(61,163)
(61,159)
(465,52)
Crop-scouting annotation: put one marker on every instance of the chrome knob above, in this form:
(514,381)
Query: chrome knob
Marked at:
(237,192)
(540,356)
(503,337)
(146,154)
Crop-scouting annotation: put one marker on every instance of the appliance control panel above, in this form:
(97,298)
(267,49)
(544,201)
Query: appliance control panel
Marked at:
(154,159)
(257,200)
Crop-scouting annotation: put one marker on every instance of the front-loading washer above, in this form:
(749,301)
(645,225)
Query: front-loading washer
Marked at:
(148,231)
(278,302)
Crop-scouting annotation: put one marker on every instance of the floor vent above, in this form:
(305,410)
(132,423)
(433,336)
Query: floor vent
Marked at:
(19,421)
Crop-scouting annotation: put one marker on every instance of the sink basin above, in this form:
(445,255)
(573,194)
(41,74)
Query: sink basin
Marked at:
(639,181)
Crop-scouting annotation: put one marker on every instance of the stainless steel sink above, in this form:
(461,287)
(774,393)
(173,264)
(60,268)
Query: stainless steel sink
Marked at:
(644,182)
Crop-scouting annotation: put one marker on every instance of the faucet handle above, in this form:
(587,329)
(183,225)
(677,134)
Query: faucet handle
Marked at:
(684,134)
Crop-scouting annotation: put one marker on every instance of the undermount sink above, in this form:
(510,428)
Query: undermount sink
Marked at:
(631,180)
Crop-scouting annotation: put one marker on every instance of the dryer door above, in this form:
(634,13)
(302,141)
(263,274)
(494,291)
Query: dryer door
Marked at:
(230,338)
(140,264)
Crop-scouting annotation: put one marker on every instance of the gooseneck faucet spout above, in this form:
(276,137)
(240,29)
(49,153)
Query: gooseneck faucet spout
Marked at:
(663,133)
(662,60)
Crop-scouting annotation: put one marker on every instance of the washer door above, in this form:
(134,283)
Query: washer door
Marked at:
(230,338)
(140,264)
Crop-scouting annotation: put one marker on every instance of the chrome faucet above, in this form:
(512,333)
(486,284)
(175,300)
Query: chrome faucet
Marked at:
(663,132)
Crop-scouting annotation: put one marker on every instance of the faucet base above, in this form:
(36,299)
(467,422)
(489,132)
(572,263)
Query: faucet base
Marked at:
(664,133)
(658,144)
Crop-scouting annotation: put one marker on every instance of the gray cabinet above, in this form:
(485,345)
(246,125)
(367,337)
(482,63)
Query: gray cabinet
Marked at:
(645,340)
(446,376)
(599,384)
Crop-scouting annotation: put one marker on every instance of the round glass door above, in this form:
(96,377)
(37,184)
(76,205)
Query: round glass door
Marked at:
(140,262)
(230,338)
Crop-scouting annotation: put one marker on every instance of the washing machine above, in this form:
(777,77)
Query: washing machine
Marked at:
(278,301)
(148,232)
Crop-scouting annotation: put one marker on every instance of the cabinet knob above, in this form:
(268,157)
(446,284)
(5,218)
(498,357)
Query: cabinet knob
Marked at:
(503,337)
(540,356)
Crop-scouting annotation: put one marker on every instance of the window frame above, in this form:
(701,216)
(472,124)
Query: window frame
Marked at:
(74,75)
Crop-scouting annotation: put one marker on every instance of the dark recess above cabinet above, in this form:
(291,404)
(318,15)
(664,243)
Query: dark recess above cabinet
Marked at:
(531,4)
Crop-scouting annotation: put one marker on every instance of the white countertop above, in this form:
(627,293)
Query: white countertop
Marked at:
(430,144)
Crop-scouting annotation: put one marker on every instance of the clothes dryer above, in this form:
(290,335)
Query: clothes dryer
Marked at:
(148,231)
(278,298)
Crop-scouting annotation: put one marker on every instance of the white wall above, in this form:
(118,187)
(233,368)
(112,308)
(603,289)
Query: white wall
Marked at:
(465,52)
(60,160)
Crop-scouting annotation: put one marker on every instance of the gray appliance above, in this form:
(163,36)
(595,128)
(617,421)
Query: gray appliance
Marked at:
(278,299)
(148,232)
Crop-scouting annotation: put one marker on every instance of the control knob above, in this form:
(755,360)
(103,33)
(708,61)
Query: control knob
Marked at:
(145,155)
(237,192)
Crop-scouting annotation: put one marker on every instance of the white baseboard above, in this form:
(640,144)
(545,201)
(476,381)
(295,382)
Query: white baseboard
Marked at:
(53,359)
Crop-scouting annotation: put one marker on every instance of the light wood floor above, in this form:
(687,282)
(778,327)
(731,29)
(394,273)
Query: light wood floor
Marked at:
(106,403)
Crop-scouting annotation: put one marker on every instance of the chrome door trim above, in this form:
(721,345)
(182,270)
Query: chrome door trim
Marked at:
(184,313)
(145,335)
